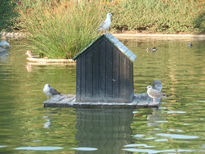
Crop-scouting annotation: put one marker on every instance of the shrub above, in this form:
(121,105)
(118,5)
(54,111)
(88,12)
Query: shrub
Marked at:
(61,29)
(168,16)
(7,14)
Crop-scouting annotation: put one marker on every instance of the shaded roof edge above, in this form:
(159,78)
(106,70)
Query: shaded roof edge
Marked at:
(115,42)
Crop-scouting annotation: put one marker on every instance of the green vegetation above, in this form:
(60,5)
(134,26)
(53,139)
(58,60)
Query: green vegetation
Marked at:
(7,14)
(167,16)
(61,28)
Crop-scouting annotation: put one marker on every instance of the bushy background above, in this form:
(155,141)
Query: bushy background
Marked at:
(61,28)
(8,14)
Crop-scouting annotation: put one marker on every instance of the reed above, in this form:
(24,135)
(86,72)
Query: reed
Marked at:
(7,14)
(61,29)
(167,16)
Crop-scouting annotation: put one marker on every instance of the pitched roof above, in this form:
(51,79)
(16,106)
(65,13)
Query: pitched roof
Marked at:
(116,43)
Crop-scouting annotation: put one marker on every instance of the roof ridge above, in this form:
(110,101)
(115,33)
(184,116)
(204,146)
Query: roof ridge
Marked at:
(116,43)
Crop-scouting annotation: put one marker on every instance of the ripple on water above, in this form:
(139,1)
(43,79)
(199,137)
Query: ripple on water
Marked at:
(138,145)
(160,151)
(138,135)
(39,148)
(175,130)
(85,149)
(161,140)
(178,136)
(171,112)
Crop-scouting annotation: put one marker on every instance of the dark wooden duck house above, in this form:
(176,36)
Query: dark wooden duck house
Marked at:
(104,71)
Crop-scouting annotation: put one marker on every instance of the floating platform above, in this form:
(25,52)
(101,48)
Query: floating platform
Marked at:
(34,60)
(69,100)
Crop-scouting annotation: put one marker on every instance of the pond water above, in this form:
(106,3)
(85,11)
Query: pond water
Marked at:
(178,126)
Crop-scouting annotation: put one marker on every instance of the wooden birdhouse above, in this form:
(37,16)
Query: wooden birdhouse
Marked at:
(104,71)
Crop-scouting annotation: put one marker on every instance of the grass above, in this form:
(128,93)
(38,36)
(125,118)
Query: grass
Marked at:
(166,16)
(7,14)
(62,28)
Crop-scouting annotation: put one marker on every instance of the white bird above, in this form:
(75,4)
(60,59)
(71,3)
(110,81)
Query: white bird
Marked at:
(153,93)
(106,23)
(4,44)
(50,91)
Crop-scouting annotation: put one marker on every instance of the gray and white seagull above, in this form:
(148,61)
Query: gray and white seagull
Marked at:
(50,91)
(157,85)
(153,93)
(105,25)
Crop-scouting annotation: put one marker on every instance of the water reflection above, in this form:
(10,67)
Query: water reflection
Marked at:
(176,127)
(39,148)
(154,118)
(4,54)
(108,130)
(47,124)
(30,65)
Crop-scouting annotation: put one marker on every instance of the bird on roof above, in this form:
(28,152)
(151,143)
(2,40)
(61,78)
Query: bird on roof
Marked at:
(4,44)
(153,93)
(105,25)
(50,91)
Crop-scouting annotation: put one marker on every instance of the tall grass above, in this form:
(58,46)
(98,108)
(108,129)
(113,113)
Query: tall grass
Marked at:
(7,14)
(167,16)
(61,29)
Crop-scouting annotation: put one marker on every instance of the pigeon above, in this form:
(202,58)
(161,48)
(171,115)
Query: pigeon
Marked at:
(106,23)
(50,91)
(4,44)
(153,93)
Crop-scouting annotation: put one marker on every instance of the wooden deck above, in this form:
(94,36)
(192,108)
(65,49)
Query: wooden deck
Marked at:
(68,100)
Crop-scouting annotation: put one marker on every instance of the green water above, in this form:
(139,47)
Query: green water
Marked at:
(178,126)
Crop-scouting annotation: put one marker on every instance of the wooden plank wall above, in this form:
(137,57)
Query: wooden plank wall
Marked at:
(104,74)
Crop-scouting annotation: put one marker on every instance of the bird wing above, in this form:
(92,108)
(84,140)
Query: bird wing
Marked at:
(155,93)
(54,91)
(101,25)
(158,87)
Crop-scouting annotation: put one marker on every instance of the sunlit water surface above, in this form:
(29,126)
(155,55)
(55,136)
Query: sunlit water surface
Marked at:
(178,126)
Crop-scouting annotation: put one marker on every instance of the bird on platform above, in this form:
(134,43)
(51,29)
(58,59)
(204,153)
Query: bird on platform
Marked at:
(50,91)
(153,93)
(157,85)
(105,25)
(151,49)
(4,44)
